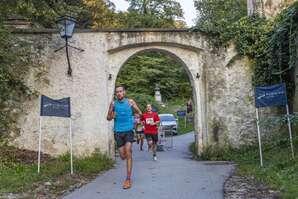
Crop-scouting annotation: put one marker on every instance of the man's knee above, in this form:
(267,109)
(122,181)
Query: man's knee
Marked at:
(128,153)
(122,153)
(123,156)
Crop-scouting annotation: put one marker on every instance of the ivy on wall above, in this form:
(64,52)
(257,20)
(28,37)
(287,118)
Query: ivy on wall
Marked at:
(271,45)
(14,65)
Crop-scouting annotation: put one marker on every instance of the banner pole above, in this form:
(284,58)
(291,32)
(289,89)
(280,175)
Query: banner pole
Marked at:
(70,143)
(172,141)
(259,138)
(290,130)
(39,146)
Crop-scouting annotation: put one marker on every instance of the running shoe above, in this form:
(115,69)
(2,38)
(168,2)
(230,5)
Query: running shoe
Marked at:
(154,158)
(127,184)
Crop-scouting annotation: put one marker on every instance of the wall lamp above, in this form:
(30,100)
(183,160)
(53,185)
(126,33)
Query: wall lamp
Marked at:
(66,25)
(198,76)
(110,77)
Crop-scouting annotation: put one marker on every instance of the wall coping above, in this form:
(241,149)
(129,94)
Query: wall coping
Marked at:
(51,31)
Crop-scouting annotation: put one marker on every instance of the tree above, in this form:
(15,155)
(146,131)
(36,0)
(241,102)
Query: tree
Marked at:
(99,14)
(215,15)
(142,73)
(89,13)
(153,14)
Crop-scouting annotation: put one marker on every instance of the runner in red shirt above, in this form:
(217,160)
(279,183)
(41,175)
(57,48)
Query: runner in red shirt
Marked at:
(151,120)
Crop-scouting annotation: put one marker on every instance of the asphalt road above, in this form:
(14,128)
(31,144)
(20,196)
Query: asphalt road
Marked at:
(173,176)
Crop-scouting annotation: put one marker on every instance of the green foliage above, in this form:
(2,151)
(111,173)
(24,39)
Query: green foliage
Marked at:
(215,15)
(283,45)
(270,45)
(177,104)
(251,36)
(97,13)
(14,65)
(142,73)
(182,129)
(16,176)
(15,54)
(153,14)
(142,99)
(279,171)
(89,13)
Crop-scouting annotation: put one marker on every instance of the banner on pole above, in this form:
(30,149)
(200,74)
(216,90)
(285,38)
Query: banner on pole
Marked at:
(181,113)
(154,109)
(274,95)
(57,108)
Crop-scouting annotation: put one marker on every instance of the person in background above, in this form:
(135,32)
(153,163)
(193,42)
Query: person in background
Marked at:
(189,106)
(151,120)
(139,131)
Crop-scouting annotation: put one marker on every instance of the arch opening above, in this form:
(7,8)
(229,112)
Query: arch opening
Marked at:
(185,68)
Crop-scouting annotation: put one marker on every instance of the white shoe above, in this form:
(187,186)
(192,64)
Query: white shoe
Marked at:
(154,158)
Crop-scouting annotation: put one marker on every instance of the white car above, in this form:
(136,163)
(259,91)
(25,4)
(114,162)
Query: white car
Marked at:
(168,124)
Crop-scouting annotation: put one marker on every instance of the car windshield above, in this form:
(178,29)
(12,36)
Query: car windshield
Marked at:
(167,118)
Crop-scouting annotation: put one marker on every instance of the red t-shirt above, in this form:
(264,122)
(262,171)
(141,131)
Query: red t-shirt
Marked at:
(147,118)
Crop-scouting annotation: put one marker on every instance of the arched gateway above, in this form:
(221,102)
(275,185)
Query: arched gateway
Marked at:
(222,90)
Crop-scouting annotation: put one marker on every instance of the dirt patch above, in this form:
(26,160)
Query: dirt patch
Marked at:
(53,189)
(242,187)
(23,155)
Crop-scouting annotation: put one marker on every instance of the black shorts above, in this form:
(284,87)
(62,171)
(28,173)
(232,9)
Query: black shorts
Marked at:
(122,138)
(139,132)
(153,137)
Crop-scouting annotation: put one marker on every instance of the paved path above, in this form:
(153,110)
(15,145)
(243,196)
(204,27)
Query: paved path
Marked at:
(173,176)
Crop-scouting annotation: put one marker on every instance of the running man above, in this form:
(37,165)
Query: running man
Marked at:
(151,121)
(121,110)
(139,131)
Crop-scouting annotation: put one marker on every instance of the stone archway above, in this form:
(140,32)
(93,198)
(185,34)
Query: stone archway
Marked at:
(222,93)
(188,60)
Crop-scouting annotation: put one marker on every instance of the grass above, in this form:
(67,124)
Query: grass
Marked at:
(172,107)
(280,171)
(17,176)
(182,129)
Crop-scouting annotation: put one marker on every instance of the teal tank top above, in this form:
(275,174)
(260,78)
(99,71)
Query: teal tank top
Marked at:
(124,116)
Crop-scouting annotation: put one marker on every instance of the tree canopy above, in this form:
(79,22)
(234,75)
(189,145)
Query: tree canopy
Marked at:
(215,15)
(141,74)
(89,13)
(98,13)
(154,13)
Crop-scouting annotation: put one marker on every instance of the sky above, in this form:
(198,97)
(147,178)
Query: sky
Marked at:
(187,6)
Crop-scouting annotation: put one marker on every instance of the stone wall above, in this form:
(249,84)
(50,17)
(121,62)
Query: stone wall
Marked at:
(231,116)
(87,89)
(222,94)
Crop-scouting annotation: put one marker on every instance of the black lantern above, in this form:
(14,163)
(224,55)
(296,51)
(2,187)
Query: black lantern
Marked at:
(66,25)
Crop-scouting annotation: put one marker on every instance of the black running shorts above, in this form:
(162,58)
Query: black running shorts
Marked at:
(122,138)
(153,137)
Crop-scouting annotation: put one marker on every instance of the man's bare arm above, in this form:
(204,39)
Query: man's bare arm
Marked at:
(135,106)
(111,113)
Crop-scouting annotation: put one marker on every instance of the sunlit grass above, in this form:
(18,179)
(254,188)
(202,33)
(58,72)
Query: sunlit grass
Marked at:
(16,176)
(280,171)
